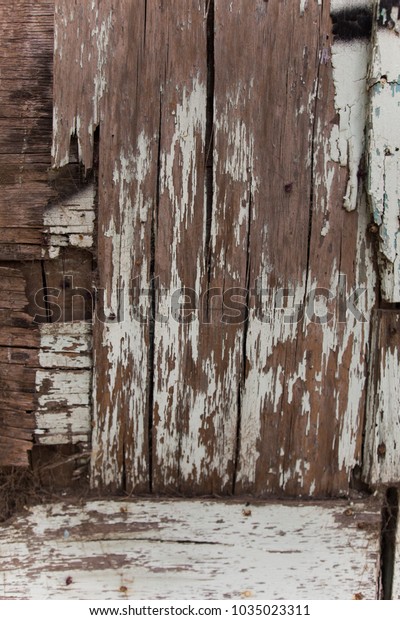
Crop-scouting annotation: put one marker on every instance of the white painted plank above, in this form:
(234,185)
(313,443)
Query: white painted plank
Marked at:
(191,549)
(66,345)
(64,383)
(350,66)
(71,222)
(63,427)
(384,154)
(58,385)
(381,458)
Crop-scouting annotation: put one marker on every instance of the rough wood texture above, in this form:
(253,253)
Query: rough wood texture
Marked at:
(70,222)
(384,144)
(183,550)
(19,343)
(104,89)
(26,53)
(64,384)
(45,374)
(381,459)
(232,174)
(303,398)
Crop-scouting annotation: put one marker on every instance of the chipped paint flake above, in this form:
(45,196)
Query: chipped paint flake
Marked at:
(111,550)
(123,333)
(350,66)
(70,222)
(384,157)
(64,384)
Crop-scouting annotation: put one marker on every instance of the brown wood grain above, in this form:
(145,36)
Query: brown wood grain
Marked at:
(183,412)
(381,463)
(303,398)
(19,343)
(26,53)
(211,128)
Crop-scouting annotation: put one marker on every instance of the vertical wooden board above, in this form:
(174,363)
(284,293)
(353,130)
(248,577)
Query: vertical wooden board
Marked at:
(81,43)
(129,143)
(341,282)
(111,52)
(381,462)
(188,411)
(384,144)
(277,171)
(26,53)
(303,399)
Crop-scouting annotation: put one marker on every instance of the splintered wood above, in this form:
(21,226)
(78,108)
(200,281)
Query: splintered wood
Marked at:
(183,550)
(19,356)
(222,181)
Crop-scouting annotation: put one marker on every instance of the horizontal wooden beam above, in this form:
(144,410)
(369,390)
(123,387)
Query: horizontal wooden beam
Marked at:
(192,549)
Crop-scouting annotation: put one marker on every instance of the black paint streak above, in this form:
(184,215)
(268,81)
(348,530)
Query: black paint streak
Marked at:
(384,13)
(390,515)
(352,23)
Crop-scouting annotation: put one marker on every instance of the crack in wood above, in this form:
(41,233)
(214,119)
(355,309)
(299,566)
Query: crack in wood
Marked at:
(209,142)
(390,514)
(153,304)
(244,359)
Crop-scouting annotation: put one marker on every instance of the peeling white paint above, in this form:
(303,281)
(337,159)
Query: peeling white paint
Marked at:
(70,222)
(340,5)
(101,35)
(174,398)
(381,462)
(350,67)
(147,550)
(124,338)
(303,6)
(64,384)
(384,157)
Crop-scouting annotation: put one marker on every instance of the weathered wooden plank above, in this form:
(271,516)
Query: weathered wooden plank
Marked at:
(128,150)
(303,397)
(15,377)
(64,384)
(71,221)
(19,342)
(202,550)
(23,356)
(292,390)
(26,44)
(382,434)
(14,451)
(66,345)
(384,141)
(63,414)
(189,373)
